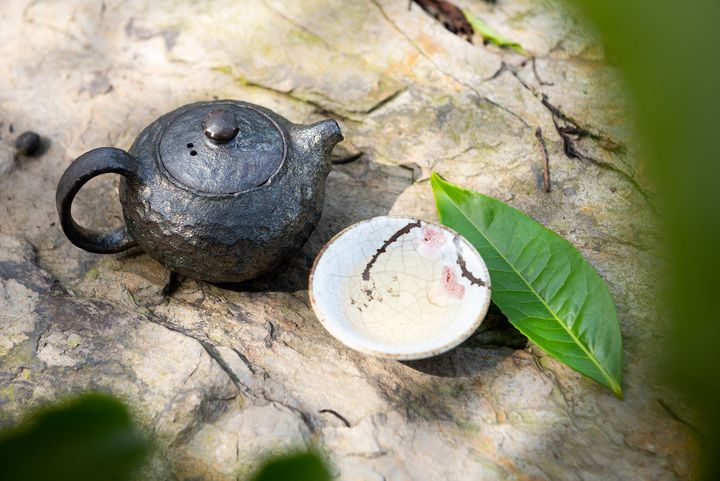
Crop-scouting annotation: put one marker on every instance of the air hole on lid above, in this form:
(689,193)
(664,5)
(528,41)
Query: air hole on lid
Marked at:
(193,152)
(190,145)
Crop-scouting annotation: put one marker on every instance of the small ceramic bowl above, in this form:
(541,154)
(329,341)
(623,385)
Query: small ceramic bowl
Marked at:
(399,288)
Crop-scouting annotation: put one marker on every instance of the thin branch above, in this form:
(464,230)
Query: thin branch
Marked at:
(546,160)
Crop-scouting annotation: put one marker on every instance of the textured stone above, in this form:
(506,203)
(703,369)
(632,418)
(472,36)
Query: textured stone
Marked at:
(223,375)
(7,158)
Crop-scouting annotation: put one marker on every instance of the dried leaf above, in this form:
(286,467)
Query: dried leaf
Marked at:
(449,15)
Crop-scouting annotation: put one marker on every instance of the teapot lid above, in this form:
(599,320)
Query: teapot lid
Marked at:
(222,148)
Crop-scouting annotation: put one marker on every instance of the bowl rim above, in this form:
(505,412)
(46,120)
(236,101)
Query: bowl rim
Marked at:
(402,356)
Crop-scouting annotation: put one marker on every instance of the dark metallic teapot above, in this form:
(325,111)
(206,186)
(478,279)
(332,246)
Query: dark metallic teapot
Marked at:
(221,191)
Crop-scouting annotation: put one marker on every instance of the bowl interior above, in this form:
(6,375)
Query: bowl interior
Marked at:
(399,287)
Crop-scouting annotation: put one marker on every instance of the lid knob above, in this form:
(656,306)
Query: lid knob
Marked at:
(221,126)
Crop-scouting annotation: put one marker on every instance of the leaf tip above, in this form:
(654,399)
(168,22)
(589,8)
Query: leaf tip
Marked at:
(519,49)
(437,179)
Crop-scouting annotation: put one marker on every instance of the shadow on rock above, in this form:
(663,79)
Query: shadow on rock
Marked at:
(354,192)
(482,351)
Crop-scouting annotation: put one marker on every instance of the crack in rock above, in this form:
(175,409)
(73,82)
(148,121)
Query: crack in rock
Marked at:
(342,418)
(442,71)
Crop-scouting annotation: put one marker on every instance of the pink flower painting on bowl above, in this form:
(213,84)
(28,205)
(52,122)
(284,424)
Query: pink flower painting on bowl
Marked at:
(431,243)
(447,290)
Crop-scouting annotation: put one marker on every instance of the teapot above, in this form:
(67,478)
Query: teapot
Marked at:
(221,191)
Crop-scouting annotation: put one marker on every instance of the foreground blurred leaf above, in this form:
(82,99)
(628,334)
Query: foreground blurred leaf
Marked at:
(89,438)
(490,34)
(668,52)
(294,467)
(545,287)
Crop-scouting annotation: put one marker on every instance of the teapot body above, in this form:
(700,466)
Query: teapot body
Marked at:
(204,219)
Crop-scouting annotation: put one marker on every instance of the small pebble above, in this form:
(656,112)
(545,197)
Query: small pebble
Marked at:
(28,143)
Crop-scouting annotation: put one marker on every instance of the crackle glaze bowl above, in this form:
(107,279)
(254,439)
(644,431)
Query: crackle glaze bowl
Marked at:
(400,288)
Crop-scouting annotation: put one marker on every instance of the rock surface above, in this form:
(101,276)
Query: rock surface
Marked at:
(223,375)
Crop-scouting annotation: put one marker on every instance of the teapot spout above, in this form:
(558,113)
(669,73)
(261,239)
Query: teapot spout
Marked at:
(325,135)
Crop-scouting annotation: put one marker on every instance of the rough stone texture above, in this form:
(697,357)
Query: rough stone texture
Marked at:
(223,375)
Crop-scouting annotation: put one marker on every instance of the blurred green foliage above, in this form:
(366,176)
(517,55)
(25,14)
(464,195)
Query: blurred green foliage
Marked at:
(93,438)
(293,467)
(670,53)
(89,438)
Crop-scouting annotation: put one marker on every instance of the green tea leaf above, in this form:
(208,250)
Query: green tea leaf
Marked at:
(293,467)
(89,438)
(545,287)
(490,34)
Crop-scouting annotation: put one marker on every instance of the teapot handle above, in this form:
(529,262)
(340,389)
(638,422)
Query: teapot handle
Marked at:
(91,164)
